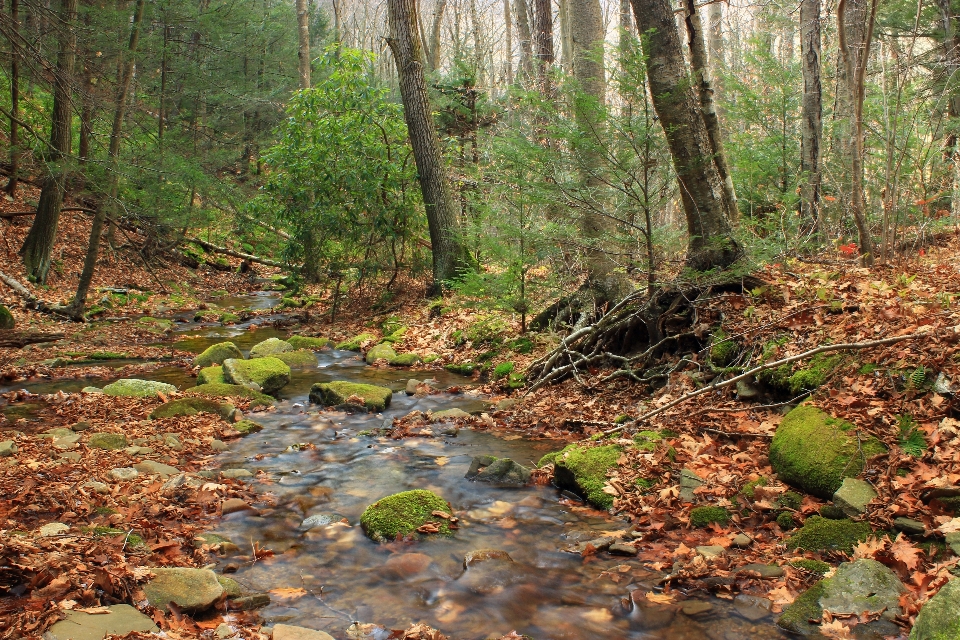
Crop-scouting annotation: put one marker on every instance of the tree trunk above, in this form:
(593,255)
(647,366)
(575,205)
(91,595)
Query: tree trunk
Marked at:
(710,243)
(508,33)
(434,61)
(701,72)
(811,115)
(951,64)
(566,40)
(543,42)
(522,12)
(113,189)
(854,34)
(450,256)
(11,187)
(303,44)
(38,244)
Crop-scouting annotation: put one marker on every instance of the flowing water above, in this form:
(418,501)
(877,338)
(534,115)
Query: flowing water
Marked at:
(321,463)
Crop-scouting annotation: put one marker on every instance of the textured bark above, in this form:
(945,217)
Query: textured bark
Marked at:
(951,64)
(522,12)
(701,73)
(11,187)
(811,115)
(434,61)
(855,31)
(450,256)
(303,43)
(38,244)
(566,40)
(715,44)
(543,42)
(710,243)
(508,32)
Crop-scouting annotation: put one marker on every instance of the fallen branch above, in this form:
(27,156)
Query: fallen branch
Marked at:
(847,346)
(237,254)
(31,301)
(12,339)
(18,214)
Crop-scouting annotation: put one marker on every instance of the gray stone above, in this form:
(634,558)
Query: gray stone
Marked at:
(711,551)
(135,388)
(108,441)
(267,374)
(172,441)
(290,632)
(53,529)
(122,474)
(219,445)
(742,541)
(97,487)
(7,448)
(234,505)
(939,619)
(83,425)
(320,520)
(766,571)
(864,586)
(152,468)
(752,608)
(696,607)
(72,456)
(236,473)
(411,388)
(121,620)
(67,442)
(380,352)
(853,496)
(746,391)
(251,602)
(192,590)
(224,630)
(91,390)
(943,385)
(448,414)
(953,540)
(497,471)
(270,347)
(621,549)
(55,433)
(688,482)
(909,526)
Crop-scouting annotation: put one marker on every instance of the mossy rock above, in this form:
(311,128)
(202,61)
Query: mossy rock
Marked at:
(821,534)
(405,360)
(298,358)
(158,325)
(462,368)
(380,352)
(705,516)
(722,351)
(814,452)
(216,354)
(391,325)
(270,347)
(356,343)
(246,427)
(521,345)
(218,390)
(796,618)
(289,303)
(7,320)
(211,375)
(939,619)
(503,370)
(229,318)
(306,342)
(135,388)
(269,373)
(796,381)
(818,567)
(583,470)
(429,358)
(394,336)
(402,514)
(785,520)
(109,441)
(335,394)
(191,407)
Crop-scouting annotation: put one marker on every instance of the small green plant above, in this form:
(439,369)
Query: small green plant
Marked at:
(705,516)
(516,380)
(502,370)
(911,439)
(917,378)
(521,345)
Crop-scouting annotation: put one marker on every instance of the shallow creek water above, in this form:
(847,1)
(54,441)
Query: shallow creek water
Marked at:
(545,593)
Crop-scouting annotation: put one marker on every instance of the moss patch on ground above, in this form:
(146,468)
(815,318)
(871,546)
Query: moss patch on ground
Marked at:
(723,351)
(333,394)
(818,567)
(402,514)
(815,452)
(218,390)
(705,516)
(584,470)
(821,534)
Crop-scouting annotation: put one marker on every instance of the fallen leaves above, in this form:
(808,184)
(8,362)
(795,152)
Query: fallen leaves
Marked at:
(288,593)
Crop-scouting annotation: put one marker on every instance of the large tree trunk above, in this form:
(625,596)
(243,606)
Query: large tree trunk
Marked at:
(11,187)
(450,256)
(811,115)
(522,12)
(701,72)
(303,43)
(38,244)
(508,33)
(855,20)
(434,60)
(543,41)
(710,243)
(113,189)
(951,65)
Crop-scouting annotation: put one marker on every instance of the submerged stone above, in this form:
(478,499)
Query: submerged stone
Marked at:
(334,394)
(121,620)
(498,471)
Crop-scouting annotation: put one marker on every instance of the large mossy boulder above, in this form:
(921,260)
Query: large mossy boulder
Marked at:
(939,619)
(335,394)
(268,373)
(405,360)
(216,354)
(298,358)
(821,534)
(796,618)
(192,590)
(306,342)
(380,352)
(218,390)
(191,407)
(270,347)
(863,586)
(814,452)
(402,514)
(583,470)
(356,343)
(211,375)
(135,388)
(7,320)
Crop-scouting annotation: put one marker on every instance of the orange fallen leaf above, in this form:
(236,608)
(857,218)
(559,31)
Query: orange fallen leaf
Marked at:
(659,598)
(288,593)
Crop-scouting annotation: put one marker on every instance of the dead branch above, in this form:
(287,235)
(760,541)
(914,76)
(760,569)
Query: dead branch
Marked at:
(12,339)
(31,301)
(237,254)
(18,214)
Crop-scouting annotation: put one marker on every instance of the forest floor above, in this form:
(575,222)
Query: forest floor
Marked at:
(902,394)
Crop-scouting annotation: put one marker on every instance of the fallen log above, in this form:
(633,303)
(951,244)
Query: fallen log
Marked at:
(11,339)
(31,301)
(237,254)
(18,214)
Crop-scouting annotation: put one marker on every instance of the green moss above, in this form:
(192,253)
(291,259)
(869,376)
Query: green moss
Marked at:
(584,470)
(705,516)
(381,351)
(502,370)
(797,616)
(832,512)
(211,375)
(821,534)
(338,393)
(790,500)
(723,351)
(269,373)
(814,375)
(405,360)
(218,390)
(748,489)
(521,345)
(391,325)
(815,452)
(550,458)
(462,368)
(246,427)
(785,520)
(868,368)
(818,567)
(645,483)
(402,514)
(430,357)
(939,619)
(6,318)
(356,343)
(289,303)
(306,342)
(216,354)
(107,355)
(951,504)
(109,441)
(298,358)
(270,348)
(135,388)
(647,440)
(394,337)
(229,318)
(156,324)
(191,407)
(487,330)
(516,380)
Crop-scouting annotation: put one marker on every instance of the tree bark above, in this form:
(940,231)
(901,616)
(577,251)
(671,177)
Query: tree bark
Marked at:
(701,73)
(303,43)
(450,255)
(508,33)
(11,187)
(811,115)
(113,190)
(951,64)
(710,243)
(434,61)
(522,12)
(38,244)
(543,43)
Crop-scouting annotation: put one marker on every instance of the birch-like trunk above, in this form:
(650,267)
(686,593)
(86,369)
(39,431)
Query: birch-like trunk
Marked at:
(811,115)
